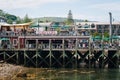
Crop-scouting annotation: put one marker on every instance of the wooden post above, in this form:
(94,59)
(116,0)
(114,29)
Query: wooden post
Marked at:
(50,53)
(118,54)
(63,42)
(24,57)
(18,43)
(76,54)
(89,52)
(118,57)
(4,56)
(102,58)
(17,61)
(36,62)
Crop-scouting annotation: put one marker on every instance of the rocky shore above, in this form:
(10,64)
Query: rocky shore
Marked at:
(10,72)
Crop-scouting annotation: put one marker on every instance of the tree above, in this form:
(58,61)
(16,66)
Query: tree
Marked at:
(96,34)
(106,34)
(10,21)
(58,30)
(70,20)
(26,19)
(19,20)
(12,18)
(1,13)
(86,20)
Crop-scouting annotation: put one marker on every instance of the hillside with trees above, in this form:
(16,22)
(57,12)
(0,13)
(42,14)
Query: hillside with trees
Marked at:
(55,19)
(12,18)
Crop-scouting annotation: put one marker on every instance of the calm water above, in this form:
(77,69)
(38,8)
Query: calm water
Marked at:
(73,74)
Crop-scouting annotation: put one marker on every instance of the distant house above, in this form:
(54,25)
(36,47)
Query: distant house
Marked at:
(2,20)
(51,25)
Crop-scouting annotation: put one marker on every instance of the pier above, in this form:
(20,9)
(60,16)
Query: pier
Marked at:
(56,45)
(56,52)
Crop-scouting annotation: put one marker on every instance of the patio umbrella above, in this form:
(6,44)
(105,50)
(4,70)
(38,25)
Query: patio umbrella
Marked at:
(97,38)
(106,39)
(115,37)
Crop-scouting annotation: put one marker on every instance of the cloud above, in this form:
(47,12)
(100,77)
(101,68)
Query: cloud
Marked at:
(90,17)
(15,4)
(115,6)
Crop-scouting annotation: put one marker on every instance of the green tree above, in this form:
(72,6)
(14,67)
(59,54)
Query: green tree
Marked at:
(106,34)
(10,18)
(86,20)
(1,13)
(58,30)
(26,19)
(70,20)
(96,34)
(10,21)
(19,20)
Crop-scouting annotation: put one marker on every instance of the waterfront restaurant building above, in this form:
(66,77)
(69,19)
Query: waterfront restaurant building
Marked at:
(100,27)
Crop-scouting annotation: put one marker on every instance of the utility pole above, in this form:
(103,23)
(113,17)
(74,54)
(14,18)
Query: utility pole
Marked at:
(110,29)
(38,26)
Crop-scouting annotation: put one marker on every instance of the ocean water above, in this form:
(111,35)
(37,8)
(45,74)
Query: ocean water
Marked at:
(72,74)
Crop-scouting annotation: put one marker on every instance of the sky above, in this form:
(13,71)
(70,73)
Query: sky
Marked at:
(93,10)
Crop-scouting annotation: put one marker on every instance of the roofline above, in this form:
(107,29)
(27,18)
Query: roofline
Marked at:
(6,24)
(98,23)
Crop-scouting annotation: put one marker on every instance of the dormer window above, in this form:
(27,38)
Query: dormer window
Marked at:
(92,25)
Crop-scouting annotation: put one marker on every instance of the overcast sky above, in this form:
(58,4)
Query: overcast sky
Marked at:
(95,10)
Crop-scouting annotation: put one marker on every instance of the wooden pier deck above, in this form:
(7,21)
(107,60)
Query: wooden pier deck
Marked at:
(67,58)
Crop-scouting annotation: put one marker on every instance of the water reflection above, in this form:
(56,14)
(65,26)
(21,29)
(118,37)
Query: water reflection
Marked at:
(72,74)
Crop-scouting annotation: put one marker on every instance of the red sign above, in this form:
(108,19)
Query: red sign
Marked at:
(47,32)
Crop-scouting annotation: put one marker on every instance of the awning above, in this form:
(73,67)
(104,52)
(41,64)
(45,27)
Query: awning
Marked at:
(34,26)
(4,39)
(64,27)
(115,37)
(86,26)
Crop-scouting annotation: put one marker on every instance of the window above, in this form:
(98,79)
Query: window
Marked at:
(92,26)
(22,41)
(14,41)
